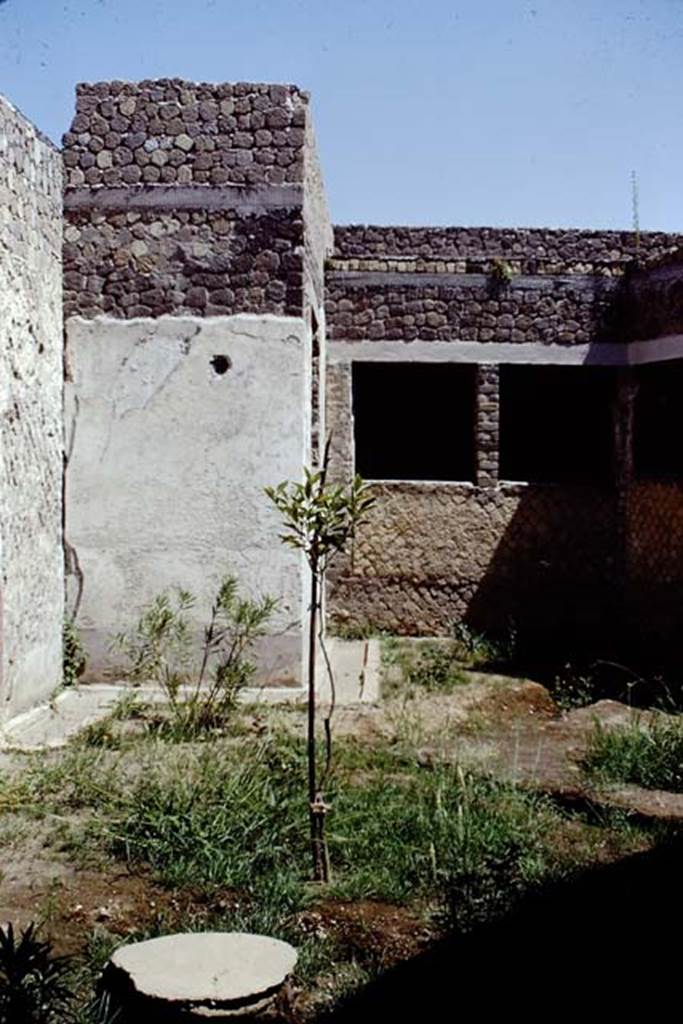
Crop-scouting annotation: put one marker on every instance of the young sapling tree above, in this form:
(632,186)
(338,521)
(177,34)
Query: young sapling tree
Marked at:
(320,519)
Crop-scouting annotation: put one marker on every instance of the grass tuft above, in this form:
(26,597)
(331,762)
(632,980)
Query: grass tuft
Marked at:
(645,755)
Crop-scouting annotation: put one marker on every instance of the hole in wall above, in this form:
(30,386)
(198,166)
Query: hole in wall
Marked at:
(221,364)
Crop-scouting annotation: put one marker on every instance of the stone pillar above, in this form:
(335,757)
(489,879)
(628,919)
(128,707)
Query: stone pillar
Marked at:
(623,425)
(487,424)
(624,412)
(196,233)
(339,420)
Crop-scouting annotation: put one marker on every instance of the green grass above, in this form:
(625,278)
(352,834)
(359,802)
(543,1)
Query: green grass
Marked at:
(235,818)
(436,670)
(645,755)
(233,815)
(469,843)
(227,818)
(442,665)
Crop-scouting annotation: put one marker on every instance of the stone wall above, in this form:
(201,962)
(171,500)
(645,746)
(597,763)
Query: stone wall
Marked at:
(652,610)
(557,560)
(474,250)
(656,299)
(196,233)
(655,536)
(434,554)
(318,235)
(31,559)
(170,131)
(488,424)
(446,306)
(196,198)
(151,262)
(487,285)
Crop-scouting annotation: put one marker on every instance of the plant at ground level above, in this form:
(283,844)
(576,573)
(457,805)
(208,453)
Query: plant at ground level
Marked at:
(98,1011)
(573,689)
(436,669)
(319,520)
(224,820)
(474,844)
(477,650)
(33,988)
(73,654)
(649,755)
(160,649)
(358,630)
(576,684)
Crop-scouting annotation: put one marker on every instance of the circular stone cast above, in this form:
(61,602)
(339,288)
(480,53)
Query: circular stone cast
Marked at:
(201,975)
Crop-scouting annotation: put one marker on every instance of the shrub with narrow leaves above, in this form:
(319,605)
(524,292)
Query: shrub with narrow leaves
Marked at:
(33,981)
(202,690)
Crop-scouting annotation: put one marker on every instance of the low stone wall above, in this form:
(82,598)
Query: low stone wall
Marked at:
(31,558)
(537,250)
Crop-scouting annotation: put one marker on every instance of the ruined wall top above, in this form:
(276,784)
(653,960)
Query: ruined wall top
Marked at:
(171,131)
(534,250)
(30,188)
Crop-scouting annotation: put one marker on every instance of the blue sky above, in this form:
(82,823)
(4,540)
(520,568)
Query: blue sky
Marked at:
(427,112)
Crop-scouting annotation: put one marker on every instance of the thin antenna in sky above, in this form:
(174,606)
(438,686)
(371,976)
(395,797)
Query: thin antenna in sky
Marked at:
(635,206)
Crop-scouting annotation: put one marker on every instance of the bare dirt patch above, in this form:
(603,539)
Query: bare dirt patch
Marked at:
(380,932)
(72,904)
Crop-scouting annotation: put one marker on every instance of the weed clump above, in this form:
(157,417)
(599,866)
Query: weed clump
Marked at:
(73,654)
(436,670)
(643,755)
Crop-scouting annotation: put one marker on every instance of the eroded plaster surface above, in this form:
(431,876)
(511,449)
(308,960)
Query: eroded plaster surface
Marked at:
(31,581)
(175,426)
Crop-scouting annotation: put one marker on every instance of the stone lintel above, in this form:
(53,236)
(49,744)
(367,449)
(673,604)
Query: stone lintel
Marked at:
(248,200)
(449,279)
(635,353)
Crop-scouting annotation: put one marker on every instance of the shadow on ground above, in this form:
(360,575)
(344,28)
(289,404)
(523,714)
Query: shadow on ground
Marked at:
(607,942)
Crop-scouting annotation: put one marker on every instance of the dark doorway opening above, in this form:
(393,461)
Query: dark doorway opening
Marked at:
(556,424)
(414,421)
(658,428)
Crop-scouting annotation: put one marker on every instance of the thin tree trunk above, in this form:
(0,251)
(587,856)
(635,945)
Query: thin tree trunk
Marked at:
(316,806)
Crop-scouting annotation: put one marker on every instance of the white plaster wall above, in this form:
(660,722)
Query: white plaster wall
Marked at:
(167,462)
(31,558)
